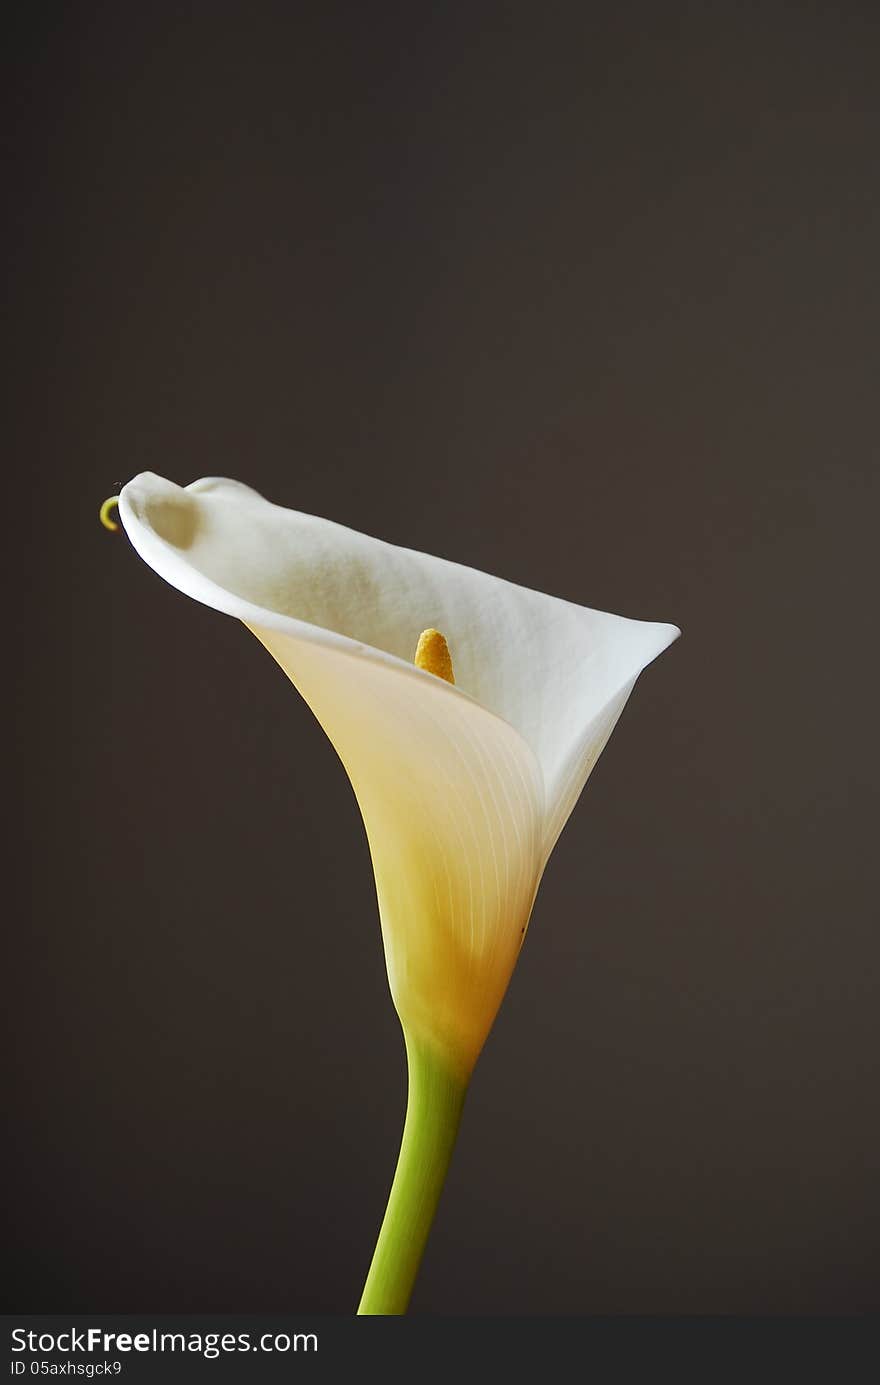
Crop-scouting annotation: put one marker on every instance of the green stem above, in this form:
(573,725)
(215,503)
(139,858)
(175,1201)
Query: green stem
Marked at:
(433,1111)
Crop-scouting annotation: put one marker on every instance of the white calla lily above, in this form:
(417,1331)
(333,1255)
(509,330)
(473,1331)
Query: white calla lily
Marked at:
(465,787)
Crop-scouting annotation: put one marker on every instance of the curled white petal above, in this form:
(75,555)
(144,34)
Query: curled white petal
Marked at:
(554,670)
(463,789)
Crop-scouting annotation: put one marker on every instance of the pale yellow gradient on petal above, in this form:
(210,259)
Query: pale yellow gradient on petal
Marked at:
(451,798)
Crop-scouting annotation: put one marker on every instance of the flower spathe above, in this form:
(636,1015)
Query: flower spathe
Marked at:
(465,787)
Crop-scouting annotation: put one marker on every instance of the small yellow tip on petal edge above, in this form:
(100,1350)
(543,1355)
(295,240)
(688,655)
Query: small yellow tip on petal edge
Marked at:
(432,654)
(109,504)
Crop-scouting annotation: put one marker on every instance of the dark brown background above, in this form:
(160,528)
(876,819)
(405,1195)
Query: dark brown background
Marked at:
(586,300)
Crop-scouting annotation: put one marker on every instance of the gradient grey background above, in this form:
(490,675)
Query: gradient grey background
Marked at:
(586,298)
